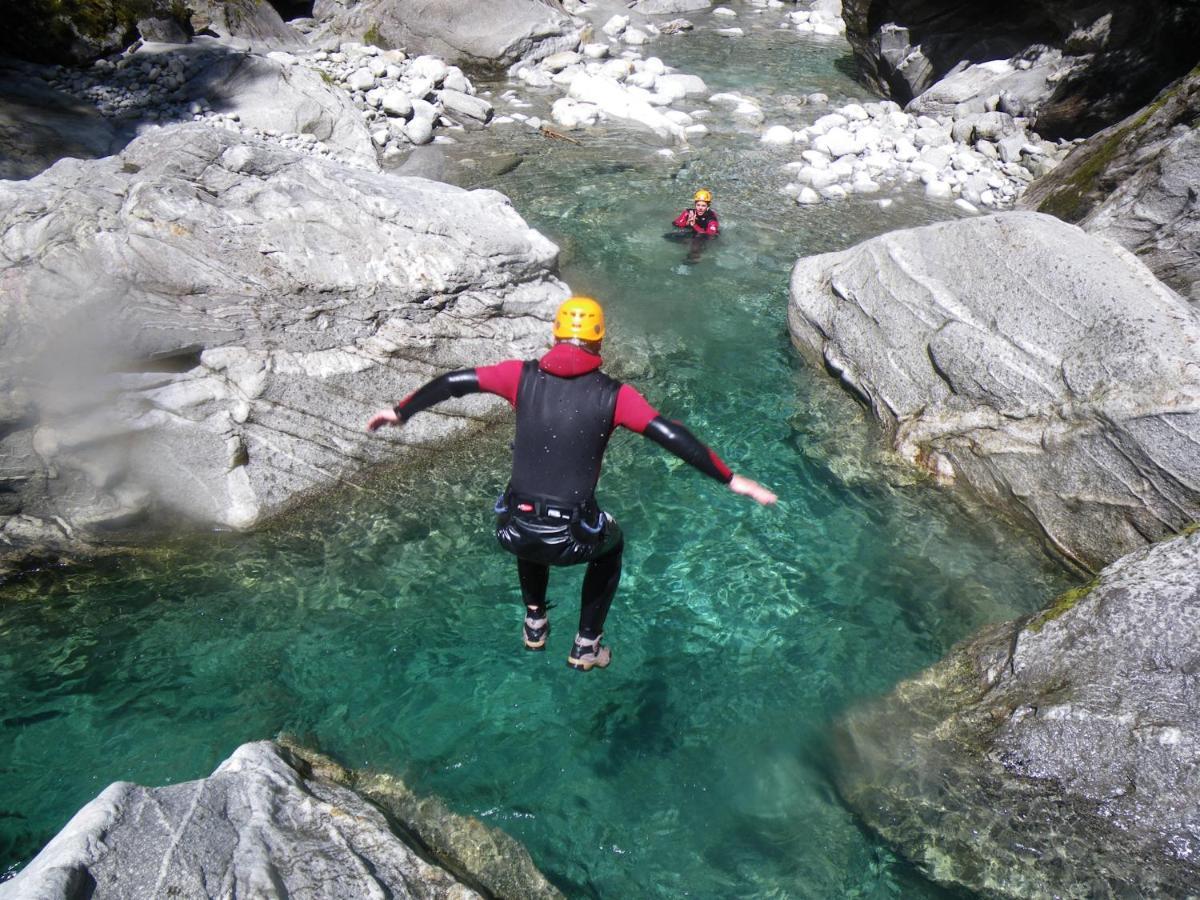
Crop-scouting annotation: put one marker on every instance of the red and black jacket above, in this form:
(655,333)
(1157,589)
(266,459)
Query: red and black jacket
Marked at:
(567,409)
(704,224)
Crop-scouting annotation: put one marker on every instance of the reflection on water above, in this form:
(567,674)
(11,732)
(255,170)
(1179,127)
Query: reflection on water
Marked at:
(385,628)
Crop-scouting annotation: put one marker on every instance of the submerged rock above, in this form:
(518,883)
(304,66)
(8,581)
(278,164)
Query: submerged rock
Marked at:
(1046,369)
(498,33)
(276,821)
(198,328)
(1054,756)
(1136,184)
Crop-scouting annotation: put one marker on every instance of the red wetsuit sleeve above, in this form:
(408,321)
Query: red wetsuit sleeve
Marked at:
(713,228)
(634,413)
(681,220)
(501,379)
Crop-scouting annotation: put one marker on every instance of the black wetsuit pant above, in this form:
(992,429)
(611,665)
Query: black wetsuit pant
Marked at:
(557,538)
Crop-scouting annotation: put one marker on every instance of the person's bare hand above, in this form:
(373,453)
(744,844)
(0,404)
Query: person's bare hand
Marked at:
(691,219)
(381,418)
(752,489)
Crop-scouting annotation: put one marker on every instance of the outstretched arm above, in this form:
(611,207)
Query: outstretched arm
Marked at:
(752,489)
(634,413)
(501,379)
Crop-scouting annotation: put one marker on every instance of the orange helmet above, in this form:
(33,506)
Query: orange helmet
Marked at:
(703,194)
(579,317)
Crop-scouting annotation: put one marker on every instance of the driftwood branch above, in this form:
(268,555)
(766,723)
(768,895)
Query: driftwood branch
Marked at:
(558,135)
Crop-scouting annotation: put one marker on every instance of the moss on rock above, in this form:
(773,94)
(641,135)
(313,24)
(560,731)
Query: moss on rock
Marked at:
(375,38)
(1061,604)
(1075,188)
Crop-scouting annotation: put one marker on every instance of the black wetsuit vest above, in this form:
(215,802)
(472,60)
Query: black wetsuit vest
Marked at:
(563,427)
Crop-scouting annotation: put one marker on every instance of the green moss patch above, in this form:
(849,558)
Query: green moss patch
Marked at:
(375,38)
(1073,198)
(1062,604)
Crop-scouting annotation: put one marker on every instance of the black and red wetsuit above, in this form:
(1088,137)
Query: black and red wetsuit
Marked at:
(705,224)
(566,411)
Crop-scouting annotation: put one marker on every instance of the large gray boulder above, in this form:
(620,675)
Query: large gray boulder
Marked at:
(198,328)
(1118,55)
(1136,184)
(276,821)
(1054,756)
(496,33)
(273,94)
(39,125)
(983,87)
(1044,368)
(252,21)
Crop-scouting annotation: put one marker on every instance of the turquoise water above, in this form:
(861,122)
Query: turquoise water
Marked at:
(383,627)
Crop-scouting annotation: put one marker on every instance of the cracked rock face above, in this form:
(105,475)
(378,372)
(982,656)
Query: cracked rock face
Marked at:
(1046,369)
(269,822)
(1054,756)
(496,33)
(198,328)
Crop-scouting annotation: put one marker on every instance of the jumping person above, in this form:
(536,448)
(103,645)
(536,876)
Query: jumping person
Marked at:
(566,410)
(701,219)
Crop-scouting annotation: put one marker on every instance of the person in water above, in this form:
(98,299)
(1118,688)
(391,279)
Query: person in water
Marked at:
(701,219)
(566,410)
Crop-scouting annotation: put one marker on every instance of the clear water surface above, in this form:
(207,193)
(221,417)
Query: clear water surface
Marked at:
(384,627)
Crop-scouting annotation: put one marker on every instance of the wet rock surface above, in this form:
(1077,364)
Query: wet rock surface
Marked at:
(1046,369)
(1054,756)
(276,821)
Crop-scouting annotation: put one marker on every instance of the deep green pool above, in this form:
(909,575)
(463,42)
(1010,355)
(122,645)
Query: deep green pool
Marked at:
(384,628)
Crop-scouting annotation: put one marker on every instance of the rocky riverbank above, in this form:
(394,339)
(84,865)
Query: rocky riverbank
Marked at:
(1053,756)
(204,334)
(204,319)
(1049,370)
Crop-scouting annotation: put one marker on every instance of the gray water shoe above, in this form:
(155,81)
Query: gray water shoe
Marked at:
(587,652)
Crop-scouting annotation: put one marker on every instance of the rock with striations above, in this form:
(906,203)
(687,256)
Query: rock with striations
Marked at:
(496,33)
(1046,369)
(277,821)
(1136,183)
(39,125)
(1054,756)
(198,328)
(1114,56)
